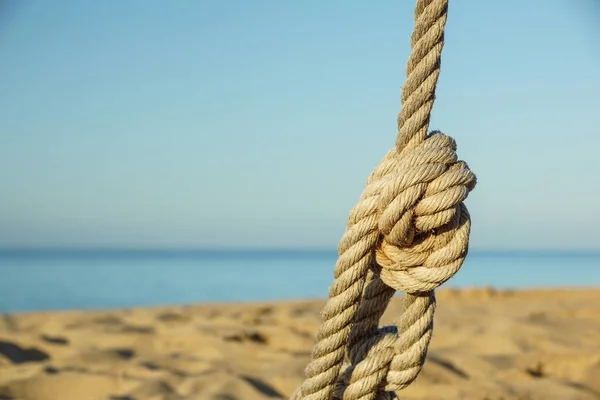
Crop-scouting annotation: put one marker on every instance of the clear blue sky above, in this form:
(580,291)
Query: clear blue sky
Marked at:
(256,123)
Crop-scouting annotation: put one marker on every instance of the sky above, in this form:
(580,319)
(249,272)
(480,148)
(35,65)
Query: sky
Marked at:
(255,123)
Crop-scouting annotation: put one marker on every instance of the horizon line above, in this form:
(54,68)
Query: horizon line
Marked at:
(253,249)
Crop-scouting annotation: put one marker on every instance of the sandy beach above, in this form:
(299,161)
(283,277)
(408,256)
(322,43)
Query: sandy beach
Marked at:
(487,345)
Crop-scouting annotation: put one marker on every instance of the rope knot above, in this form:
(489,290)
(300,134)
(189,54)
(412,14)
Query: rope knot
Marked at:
(422,220)
(409,231)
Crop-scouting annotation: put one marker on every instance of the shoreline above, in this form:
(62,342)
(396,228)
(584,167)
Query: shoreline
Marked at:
(444,292)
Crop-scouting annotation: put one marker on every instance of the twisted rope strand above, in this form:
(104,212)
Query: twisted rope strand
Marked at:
(422,72)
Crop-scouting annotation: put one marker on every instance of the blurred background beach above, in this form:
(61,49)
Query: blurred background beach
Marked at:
(160,154)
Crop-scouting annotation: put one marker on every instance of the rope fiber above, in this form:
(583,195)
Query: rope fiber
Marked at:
(408,232)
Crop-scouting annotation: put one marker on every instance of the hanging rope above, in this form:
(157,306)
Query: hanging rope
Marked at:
(408,232)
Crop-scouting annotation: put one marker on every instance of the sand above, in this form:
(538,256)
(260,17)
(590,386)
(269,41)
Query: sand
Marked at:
(487,345)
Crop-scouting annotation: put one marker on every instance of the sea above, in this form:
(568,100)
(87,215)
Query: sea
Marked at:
(42,280)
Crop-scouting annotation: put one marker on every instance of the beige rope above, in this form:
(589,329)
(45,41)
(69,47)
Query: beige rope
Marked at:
(409,231)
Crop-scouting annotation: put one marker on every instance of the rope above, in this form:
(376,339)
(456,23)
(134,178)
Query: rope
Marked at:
(409,232)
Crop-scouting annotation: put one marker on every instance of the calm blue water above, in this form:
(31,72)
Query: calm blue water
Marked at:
(44,280)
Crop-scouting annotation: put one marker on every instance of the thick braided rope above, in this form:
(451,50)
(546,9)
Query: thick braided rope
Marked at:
(409,232)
